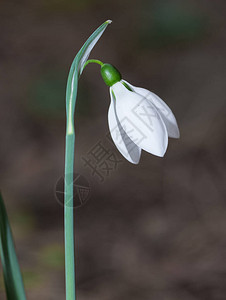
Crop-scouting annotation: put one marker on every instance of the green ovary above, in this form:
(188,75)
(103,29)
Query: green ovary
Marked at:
(110,74)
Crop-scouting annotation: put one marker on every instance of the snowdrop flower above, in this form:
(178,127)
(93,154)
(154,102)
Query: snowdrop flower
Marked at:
(138,119)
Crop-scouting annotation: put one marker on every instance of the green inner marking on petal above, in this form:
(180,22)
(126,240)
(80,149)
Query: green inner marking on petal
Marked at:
(128,87)
(113,94)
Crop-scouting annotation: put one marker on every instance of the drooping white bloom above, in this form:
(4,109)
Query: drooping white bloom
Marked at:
(139,119)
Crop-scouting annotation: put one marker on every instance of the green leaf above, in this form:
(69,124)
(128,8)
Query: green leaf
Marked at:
(11,270)
(76,70)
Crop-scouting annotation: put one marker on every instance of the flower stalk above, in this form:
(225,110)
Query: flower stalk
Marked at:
(68,217)
(96,61)
(76,69)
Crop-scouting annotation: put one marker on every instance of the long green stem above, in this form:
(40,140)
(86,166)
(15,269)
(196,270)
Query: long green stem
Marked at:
(69,219)
(68,189)
(76,69)
(68,193)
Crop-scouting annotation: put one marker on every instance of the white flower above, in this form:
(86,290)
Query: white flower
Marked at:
(139,119)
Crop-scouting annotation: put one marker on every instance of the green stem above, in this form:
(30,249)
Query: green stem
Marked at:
(68,187)
(68,197)
(95,61)
(69,218)
(71,95)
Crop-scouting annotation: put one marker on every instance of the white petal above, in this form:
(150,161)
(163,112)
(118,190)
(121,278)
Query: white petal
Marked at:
(124,144)
(140,120)
(163,109)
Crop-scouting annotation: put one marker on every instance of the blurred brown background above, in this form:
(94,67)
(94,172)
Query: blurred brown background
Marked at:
(155,231)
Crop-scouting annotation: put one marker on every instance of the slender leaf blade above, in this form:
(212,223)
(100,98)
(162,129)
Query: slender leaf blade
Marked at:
(77,68)
(12,276)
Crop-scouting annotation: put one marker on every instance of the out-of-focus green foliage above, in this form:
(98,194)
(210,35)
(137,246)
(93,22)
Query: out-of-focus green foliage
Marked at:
(46,95)
(171,22)
(1,283)
(23,223)
(53,256)
(32,279)
(11,270)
